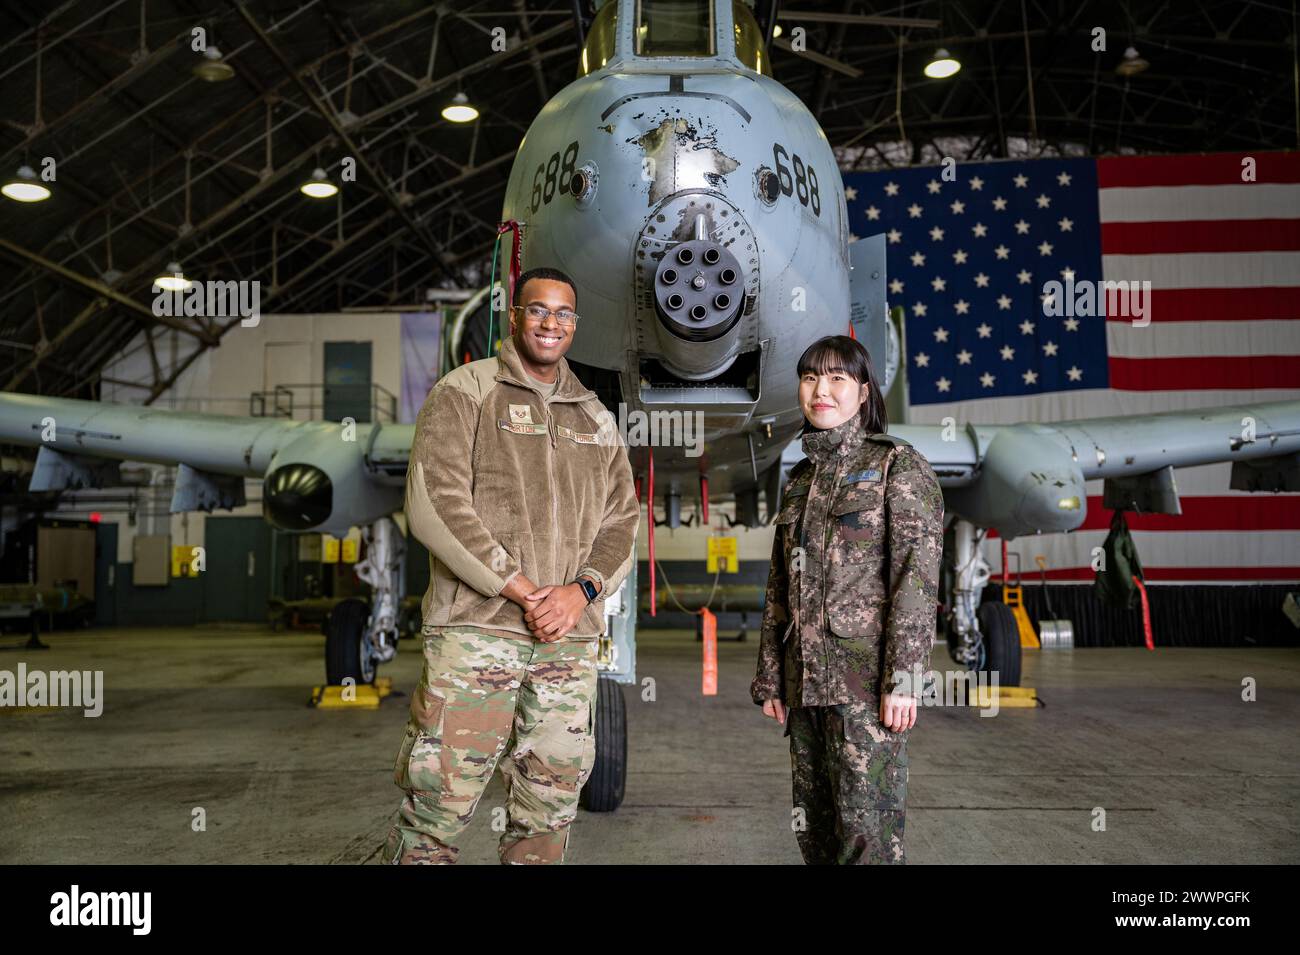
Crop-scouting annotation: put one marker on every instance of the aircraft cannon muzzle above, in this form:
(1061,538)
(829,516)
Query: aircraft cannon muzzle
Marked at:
(696,269)
(696,298)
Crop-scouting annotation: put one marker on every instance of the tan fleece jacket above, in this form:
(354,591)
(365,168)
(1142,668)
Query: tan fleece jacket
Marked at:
(502,481)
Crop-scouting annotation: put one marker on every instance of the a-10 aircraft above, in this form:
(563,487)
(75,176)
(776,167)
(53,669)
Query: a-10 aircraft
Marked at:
(695,200)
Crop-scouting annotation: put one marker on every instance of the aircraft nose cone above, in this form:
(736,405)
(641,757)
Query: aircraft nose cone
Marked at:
(297,497)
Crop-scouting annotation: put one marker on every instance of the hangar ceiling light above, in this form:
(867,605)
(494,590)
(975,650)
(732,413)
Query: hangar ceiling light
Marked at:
(459,110)
(173,278)
(942,65)
(1132,64)
(213,66)
(319,186)
(25,187)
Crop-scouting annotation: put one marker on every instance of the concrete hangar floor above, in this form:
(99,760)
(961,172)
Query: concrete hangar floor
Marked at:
(217,718)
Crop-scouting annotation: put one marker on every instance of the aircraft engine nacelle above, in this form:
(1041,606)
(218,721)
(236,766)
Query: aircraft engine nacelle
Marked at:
(1027,483)
(321,482)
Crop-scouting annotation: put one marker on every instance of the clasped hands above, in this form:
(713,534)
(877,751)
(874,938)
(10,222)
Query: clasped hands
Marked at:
(550,611)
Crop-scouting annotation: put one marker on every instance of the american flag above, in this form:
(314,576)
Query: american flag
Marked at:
(1218,238)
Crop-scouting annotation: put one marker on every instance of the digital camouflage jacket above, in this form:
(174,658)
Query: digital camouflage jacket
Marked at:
(853,588)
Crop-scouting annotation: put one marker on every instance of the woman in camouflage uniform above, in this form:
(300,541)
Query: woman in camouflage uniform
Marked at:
(850,610)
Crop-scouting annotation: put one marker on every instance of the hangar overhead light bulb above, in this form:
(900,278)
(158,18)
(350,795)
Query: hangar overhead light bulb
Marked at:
(213,66)
(25,187)
(173,278)
(1132,64)
(319,185)
(459,110)
(942,65)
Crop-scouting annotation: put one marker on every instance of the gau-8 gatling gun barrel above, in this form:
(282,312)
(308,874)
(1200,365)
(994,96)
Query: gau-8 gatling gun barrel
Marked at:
(698,299)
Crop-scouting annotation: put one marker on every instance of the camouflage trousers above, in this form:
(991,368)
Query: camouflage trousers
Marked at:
(850,780)
(485,701)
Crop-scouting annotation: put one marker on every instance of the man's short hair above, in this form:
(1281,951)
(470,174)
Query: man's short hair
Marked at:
(552,275)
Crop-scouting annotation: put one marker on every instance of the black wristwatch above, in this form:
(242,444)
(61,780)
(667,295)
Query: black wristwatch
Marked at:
(588,588)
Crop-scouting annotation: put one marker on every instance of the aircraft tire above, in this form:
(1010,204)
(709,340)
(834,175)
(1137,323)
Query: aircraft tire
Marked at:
(1001,640)
(343,633)
(605,786)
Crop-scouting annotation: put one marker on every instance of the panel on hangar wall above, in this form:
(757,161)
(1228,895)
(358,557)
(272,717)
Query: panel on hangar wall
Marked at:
(66,555)
(153,560)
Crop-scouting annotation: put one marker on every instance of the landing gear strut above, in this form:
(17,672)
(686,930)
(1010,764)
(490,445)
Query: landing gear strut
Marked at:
(980,637)
(965,573)
(359,638)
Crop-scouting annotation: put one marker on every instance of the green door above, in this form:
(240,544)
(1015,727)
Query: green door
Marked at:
(237,581)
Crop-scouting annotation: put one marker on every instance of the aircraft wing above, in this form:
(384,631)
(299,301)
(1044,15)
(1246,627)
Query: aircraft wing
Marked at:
(1121,446)
(318,474)
(1020,479)
(220,444)
(1030,478)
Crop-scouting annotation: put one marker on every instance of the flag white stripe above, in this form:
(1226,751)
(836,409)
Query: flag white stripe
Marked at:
(1190,270)
(1195,339)
(1256,200)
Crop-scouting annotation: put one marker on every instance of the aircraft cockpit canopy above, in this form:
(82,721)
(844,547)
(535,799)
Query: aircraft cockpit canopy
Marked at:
(750,48)
(674,28)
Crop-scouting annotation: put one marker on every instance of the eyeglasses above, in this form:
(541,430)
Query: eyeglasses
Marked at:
(538,313)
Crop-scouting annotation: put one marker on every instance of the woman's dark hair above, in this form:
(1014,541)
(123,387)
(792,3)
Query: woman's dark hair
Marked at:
(847,355)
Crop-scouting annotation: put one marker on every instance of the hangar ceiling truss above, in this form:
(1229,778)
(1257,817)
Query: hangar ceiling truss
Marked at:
(155,165)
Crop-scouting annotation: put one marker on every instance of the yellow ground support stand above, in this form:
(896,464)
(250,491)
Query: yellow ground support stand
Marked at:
(1012,597)
(1007,696)
(364,696)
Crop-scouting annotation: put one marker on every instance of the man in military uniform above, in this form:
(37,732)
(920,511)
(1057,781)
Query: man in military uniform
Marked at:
(527,507)
(850,611)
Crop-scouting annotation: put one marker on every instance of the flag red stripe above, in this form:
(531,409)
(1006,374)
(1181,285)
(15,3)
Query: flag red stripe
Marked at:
(1263,512)
(1221,304)
(1215,169)
(1171,573)
(1223,235)
(1232,372)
